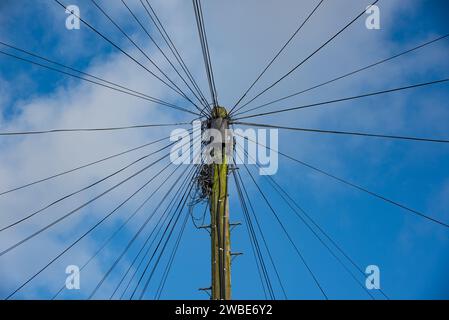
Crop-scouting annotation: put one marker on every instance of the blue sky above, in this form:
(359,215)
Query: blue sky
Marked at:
(410,251)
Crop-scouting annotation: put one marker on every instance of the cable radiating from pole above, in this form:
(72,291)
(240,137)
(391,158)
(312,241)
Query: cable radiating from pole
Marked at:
(76,209)
(274,184)
(262,235)
(34,213)
(143,97)
(156,100)
(81,167)
(262,276)
(141,126)
(276,56)
(206,44)
(205,50)
(117,231)
(183,206)
(254,243)
(352,185)
(414,86)
(206,64)
(322,231)
(180,205)
(308,57)
(130,243)
(160,27)
(161,51)
(85,234)
(174,87)
(120,49)
(169,265)
(163,249)
(361,134)
(262,269)
(347,74)
(315,279)
(171,259)
(162,220)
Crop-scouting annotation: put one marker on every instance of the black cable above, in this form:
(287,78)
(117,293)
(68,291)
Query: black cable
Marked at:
(205,50)
(163,249)
(171,260)
(348,98)
(81,167)
(262,235)
(175,87)
(261,268)
(161,222)
(147,98)
(116,232)
(77,192)
(310,56)
(17,133)
(260,263)
(153,99)
(160,27)
(162,219)
(86,233)
(158,228)
(131,241)
(121,50)
(276,56)
(362,134)
(77,209)
(161,51)
(348,74)
(180,205)
(274,183)
(200,36)
(274,186)
(202,30)
(206,44)
(336,245)
(397,204)
(287,234)
(361,284)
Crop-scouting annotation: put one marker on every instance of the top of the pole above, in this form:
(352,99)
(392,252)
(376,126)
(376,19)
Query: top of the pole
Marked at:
(219,112)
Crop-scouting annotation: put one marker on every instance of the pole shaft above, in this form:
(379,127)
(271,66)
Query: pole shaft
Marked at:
(219,210)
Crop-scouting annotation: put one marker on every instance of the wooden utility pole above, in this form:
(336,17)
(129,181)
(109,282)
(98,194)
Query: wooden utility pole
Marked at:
(219,214)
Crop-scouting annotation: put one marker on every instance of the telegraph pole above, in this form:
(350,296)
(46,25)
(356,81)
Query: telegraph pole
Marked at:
(219,213)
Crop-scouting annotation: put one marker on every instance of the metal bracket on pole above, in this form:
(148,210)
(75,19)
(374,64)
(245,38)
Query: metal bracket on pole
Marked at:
(235,224)
(235,255)
(207,290)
